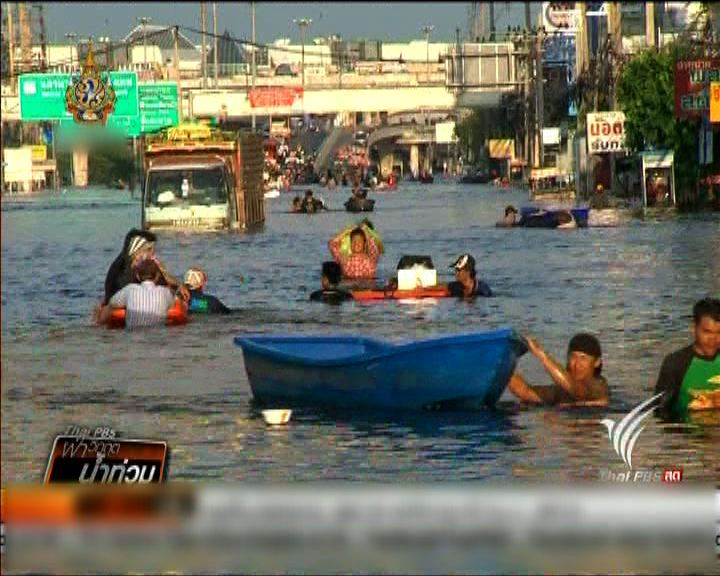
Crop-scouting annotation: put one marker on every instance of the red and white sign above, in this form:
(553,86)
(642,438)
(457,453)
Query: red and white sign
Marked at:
(605,132)
(277,97)
(692,84)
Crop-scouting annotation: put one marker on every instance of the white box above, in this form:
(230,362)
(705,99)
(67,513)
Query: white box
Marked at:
(416,278)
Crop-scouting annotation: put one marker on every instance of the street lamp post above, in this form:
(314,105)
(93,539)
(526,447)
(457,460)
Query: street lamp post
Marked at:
(254,60)
(427,29)
(105,40)
(71,36)
(302,23)
(144,21)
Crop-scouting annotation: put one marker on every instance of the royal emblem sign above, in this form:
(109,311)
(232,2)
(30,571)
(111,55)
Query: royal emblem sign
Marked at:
(90,98)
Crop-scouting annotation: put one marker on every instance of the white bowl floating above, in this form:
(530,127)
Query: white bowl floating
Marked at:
(276,417)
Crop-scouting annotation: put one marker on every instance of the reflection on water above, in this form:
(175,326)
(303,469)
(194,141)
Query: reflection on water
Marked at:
(634,286)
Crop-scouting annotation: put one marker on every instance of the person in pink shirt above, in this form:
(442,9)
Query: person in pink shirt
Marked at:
(361,263)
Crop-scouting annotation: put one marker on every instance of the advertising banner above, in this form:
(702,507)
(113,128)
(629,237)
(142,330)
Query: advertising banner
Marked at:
(692,86)
(275,97)
(606,132)
(500,149)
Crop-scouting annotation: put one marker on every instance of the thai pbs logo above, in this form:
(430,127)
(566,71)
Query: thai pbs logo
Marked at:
(623,435)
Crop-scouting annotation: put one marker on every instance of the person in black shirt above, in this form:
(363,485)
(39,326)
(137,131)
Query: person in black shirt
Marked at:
(467,284)
(330,293)
(138,245)
(195,282)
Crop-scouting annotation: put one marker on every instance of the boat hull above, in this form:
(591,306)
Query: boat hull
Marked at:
(465,371)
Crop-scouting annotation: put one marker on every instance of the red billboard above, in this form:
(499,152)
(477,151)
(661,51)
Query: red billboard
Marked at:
(275,97)
(692,86)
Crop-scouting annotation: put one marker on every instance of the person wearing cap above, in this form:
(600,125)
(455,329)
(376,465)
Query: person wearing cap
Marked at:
(467,284)
(195,281)
(510,218)
(580,382)
(690,378)
(330,293)
(138,245)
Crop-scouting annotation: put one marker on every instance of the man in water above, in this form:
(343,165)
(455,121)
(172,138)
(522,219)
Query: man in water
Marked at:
(330,293)
(146,303)
(364,253)
(690,377)
(510,218)
(579,383)
(467,284)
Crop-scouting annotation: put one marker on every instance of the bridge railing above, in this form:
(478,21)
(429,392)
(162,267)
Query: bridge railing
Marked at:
(477,66)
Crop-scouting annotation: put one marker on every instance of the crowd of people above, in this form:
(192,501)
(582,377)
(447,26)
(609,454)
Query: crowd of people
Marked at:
(285,166)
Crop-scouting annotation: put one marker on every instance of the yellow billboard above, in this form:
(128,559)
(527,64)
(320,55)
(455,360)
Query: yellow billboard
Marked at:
(500,149)
(715,102)
(39,152)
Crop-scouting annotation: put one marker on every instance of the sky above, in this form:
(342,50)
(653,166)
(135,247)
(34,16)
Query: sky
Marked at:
(400,21)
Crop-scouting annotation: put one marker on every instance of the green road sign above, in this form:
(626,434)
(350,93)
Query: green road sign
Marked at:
(42,96)
(158,106)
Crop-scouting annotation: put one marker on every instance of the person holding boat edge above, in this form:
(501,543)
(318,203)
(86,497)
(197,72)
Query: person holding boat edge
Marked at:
(580,383)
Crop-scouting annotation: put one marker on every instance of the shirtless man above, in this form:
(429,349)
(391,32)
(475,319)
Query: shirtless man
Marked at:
(579,383)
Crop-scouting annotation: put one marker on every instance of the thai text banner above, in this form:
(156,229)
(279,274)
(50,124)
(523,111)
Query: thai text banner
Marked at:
(333,529)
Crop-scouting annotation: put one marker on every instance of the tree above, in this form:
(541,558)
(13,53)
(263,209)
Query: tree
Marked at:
(482,124)
(646,93)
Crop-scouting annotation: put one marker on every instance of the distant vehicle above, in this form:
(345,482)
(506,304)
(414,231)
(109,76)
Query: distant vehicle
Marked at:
(284,70)
(361,138)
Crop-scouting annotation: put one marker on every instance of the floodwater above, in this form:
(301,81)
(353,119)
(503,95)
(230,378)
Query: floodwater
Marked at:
(634,286)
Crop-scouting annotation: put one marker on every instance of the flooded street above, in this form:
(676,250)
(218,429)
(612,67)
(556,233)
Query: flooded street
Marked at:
(634,286)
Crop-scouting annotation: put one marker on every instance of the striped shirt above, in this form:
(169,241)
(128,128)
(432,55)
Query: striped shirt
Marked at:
(146,304)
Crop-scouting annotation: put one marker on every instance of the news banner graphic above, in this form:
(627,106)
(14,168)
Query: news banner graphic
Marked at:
(98,456)
(623,435)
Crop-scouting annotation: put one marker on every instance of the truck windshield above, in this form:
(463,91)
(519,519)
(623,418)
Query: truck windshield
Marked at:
(185,187)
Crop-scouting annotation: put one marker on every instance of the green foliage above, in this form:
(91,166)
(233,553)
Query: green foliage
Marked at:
(646,93)
(110,163)
(482,124)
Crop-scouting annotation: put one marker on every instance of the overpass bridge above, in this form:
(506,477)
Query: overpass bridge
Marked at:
(476,75)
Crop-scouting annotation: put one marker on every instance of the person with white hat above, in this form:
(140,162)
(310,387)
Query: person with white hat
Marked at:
(195,281)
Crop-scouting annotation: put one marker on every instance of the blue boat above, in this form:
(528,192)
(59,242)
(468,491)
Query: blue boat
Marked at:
(535,217)
(459,371)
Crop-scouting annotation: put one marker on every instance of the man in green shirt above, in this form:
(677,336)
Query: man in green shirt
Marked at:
(690,377)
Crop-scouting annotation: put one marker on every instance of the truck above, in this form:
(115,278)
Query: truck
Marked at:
(196,177)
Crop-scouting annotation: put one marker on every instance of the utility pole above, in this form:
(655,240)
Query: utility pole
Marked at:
(25,37)
(215,44)
(527,16)
(176,65)
(71,37)
(144,21)
(254,59)
(483,24)
(650,30)
(43,38)
(11,44)
(203,19)
(492,21)
(581,48)
(302,23)
(539,92)
(427,29)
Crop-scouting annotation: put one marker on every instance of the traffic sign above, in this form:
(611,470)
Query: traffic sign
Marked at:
(42,96)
